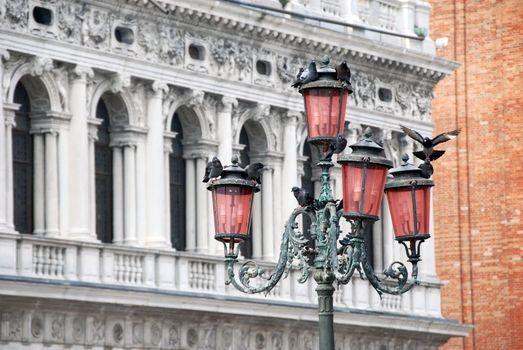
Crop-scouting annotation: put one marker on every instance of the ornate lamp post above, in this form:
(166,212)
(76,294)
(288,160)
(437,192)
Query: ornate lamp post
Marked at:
(335,256)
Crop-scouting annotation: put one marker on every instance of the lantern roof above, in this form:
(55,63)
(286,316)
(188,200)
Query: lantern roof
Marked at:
(366,149)
(405,174)
(327,78)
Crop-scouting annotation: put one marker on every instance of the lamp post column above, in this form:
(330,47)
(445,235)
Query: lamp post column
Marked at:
(325,290)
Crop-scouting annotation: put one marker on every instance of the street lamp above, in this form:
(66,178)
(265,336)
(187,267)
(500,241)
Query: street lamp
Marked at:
(335,257)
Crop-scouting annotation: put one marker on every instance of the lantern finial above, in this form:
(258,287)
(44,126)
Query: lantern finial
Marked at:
(325,60)
(405,158)
(234,160)
(367,133)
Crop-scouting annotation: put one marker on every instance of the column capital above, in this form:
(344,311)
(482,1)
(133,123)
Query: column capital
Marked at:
(4,55)
(159,88)
(228,102)
(291,117)
(82,72)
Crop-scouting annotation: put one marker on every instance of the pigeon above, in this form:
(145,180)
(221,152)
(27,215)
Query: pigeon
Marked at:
(308,75)
(426,169)
(254,172)
(213,169)
(207,172)
(336,146)
(303,196)
(343,72)
(428,144)
(297,81)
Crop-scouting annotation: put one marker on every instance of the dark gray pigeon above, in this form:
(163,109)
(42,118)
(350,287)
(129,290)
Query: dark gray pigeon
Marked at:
(216,168)
(336,146)
(303,196)
(428,143)
(254,172)
(343,72)
(297,81)
(207,172)
(426,168)
(306,76)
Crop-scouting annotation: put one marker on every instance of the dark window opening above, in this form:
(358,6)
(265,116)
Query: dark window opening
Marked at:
(22,163)
(42,15)
(197,52)
(385,94)
(246,246)
(369,242)
(124,35)
(263,67)
(103,159)
(177,188)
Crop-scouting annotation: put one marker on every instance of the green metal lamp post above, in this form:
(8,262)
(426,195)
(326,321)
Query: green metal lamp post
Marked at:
(335,256)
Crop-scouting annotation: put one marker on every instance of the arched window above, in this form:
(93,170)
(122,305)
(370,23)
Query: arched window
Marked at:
(246,247)
(177,187)
(22,163)
(103,177)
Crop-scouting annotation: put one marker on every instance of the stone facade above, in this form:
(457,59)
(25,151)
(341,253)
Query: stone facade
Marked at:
(479,195)
(217,69)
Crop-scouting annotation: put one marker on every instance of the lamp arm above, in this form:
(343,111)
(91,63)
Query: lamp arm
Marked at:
(293,248)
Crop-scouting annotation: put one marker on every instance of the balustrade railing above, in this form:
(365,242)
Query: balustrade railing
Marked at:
(26,256)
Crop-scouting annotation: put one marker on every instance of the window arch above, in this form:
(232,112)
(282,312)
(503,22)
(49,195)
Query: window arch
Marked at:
(103,177)
(22,163)
(177,187)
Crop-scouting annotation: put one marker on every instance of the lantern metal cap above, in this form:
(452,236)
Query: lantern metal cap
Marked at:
(366,149)
(233,174)
(327,78)
(405,175)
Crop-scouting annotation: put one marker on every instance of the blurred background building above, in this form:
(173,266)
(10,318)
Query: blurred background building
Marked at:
(111,111)
(478,201)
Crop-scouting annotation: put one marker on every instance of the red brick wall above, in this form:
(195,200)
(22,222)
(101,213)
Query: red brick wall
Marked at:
(479,182)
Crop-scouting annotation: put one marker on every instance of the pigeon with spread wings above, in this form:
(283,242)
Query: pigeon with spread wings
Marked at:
(428,143)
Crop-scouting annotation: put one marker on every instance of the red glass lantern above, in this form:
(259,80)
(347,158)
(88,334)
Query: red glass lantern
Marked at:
(232,198)
(364,172)
(408,195)
(325,105)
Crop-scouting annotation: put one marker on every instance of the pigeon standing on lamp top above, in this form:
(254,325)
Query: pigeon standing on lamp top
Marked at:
(213,169)
(254,172)
(306,76)
(428,143)
(426,169)
(343,73)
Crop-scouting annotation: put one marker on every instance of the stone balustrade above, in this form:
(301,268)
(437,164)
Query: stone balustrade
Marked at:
(75,263)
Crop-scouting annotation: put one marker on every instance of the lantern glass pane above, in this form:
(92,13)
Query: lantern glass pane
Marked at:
(322,108)
(402,213)
(232,210)
(352,188)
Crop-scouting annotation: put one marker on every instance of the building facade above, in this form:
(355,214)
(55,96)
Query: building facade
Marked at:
(478,206)
(111,111)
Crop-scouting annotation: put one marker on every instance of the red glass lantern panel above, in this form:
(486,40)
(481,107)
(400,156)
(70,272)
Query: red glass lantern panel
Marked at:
(322,107)
(232,211)
(352,188)
(402,210)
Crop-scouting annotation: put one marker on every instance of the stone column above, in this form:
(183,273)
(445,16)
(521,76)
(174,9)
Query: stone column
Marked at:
(38,184)
(225,128)
(202,241)
(118,190)
(190,203)
(156,192)
(388,235)
(63,182)
(51,183)
(141,192)
(256,231)
(167,150)
(129,193)
(290,161)
(4,184)
(79,171)
(93,137)
(267,211)
(9,123)
(277,194)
